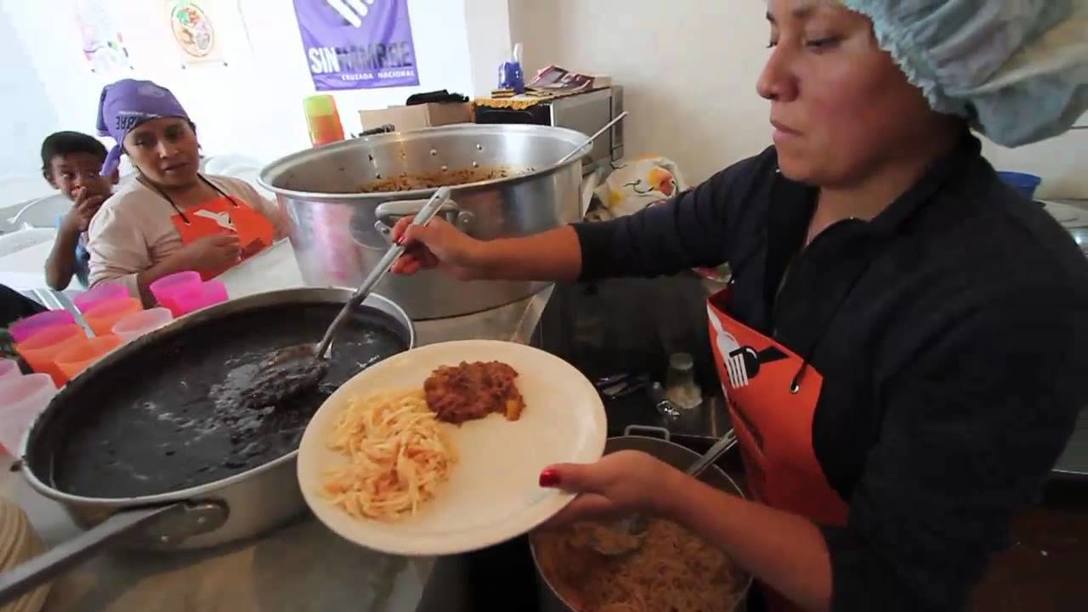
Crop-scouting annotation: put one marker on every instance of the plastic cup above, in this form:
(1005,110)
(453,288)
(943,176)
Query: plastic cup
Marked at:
(136,324)
(1023,182)
(104,316)
(106,292)
(9,368)
(210,293)
(21,399)
(41,350)
(24,329)
(74,360)
(215,292)
(168,288)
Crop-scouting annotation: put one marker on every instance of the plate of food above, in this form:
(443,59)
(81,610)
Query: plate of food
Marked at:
(438,450)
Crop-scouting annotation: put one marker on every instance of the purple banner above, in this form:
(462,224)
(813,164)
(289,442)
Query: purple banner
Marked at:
(357,44)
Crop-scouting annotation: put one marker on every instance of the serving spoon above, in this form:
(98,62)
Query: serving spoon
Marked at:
(290,370)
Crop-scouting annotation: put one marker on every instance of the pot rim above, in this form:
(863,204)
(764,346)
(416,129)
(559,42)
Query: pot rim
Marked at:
(274,170)
(311,295)
(742,593)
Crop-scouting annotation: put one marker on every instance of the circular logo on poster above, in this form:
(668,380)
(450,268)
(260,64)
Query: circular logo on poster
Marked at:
(192,29)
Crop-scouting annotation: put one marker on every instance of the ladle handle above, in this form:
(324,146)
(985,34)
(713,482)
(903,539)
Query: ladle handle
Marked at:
(578,150)
(722,446)
(33,573)
(429,210)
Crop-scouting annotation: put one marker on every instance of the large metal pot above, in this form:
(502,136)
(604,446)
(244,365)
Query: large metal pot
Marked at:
(240,506)
(675,455)
(339,233)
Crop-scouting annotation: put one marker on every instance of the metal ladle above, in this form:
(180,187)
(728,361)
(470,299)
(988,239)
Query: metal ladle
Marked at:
(626,535)
(290,370)
(569,156)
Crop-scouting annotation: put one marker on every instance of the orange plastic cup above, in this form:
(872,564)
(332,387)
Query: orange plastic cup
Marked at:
(74,360)
(41,351)
(104,316)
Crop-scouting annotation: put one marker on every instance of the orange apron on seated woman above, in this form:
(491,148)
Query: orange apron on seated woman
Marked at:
(772,395)
(222,215)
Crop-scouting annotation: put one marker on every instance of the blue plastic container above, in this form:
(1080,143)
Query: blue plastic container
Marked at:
(1023,182)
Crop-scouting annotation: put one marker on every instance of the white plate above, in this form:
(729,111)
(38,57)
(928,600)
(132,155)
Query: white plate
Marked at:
(492,493)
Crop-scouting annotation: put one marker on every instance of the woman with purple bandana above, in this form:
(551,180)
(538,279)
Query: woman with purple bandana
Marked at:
(169,218)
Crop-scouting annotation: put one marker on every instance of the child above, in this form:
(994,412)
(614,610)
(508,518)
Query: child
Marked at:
(170,218)
(71,162)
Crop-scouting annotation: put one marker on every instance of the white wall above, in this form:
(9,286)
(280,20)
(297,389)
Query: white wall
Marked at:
(488,29)
(690,69)
(252,106)
(1061,161)
(25,103)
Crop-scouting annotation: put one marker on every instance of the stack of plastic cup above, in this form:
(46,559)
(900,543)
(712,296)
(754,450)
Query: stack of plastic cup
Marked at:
(136,324)
(41,351)
(167,289)
(21,399)
(23,329)
(323,119)
(185,292)
(100,294)
(209,294)
(104,315)
(74,360)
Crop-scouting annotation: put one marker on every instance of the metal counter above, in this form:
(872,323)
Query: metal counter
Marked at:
(302,566)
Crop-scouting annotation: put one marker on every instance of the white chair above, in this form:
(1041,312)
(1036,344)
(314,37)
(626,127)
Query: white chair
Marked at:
(24,239)
(44,212)
(17,189)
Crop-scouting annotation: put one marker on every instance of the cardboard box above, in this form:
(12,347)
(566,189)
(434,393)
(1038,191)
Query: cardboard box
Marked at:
(417,116)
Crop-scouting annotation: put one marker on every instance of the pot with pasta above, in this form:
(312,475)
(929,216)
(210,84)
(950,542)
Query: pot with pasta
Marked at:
(673,569)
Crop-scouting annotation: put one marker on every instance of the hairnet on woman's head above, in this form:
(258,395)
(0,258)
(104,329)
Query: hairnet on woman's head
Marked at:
(1018,69)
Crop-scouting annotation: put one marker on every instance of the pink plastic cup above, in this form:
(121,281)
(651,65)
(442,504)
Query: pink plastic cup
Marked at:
(106,292)
(21,400)
(24,329)
(74,360)
(9,368)
(210,293)
(136,324)
(41,350)
(104,316)
(168,288)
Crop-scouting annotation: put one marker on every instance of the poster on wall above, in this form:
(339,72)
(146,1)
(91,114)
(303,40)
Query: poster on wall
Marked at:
(357,44)
(194,32)
(103,46)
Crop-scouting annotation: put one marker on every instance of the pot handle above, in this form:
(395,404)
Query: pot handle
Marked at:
(654,432)
(196,518)
(388,213)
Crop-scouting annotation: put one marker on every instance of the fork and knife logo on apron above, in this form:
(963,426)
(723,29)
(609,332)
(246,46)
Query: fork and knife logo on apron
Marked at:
(742,363)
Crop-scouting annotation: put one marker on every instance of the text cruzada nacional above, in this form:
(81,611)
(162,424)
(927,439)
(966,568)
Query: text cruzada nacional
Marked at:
(330,60)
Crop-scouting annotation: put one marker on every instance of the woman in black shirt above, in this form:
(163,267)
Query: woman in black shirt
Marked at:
(902,343)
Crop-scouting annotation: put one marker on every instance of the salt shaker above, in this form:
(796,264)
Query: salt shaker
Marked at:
(680,386)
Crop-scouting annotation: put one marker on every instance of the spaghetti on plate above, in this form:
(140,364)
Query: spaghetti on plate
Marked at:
(397,456)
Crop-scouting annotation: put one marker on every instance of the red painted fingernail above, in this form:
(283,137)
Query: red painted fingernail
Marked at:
(400,241)
(549,478)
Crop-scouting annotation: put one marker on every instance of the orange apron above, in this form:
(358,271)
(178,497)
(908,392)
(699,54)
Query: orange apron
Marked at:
(224,215)
(772,396)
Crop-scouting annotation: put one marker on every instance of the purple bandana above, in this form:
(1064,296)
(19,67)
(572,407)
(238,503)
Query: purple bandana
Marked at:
(125,105)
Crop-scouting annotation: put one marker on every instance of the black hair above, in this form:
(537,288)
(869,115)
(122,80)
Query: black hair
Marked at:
(66,143)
